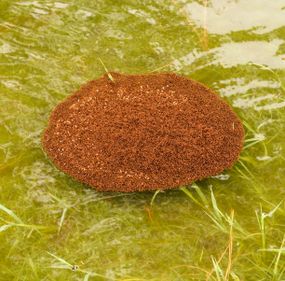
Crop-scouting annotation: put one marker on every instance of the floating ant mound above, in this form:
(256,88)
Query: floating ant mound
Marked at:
(143,132)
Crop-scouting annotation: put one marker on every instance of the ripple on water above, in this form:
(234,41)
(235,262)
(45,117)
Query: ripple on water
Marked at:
(256,93)
(48,48)
(224,16)
(236,53)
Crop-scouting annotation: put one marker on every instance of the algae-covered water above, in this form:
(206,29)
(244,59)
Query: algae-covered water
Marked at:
(230,227)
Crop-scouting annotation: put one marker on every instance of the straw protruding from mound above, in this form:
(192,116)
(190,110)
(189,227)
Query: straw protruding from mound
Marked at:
(143,132)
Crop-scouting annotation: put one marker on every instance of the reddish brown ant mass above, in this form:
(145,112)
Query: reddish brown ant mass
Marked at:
(143,132)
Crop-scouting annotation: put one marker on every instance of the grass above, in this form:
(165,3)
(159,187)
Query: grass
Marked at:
(107,71)
(63,264)
(227,224)
(229,227)
(14,221)
(237,242)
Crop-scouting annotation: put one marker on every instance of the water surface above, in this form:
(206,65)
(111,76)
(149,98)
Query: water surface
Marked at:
(48,49)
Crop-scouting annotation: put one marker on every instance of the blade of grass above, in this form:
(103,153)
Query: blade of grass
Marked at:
(275,270)
(154,196)
(11,214)
(63,264)
(60,260)
(108,73)
(230,247)
(201,194)
(61,219)
(190,195)
(86,277)
(217,269)
(4,227)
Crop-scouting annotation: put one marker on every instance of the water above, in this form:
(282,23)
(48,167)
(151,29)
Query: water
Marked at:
(48,49)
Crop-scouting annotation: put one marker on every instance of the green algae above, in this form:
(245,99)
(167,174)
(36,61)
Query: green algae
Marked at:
(230,227)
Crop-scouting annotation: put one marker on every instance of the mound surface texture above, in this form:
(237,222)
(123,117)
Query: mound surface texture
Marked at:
(143,132)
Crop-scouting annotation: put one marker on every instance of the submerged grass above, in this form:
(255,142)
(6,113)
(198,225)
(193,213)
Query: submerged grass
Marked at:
(14,221)
(110,227)
(226,228)
(224,264)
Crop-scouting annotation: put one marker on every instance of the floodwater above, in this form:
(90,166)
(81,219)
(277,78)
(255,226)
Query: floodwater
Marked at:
(229,227)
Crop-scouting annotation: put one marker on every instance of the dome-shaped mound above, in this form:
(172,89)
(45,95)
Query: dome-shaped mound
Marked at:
(143,132)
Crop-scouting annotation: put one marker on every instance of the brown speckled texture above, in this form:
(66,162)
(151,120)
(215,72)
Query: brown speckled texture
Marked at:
(143,132)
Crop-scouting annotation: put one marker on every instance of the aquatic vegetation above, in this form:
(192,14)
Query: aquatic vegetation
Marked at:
(229,227)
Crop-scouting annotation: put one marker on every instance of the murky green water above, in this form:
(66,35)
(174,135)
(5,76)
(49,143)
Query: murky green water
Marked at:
(48,49)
